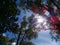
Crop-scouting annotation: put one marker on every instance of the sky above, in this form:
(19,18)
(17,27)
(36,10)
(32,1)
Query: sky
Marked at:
(44,38)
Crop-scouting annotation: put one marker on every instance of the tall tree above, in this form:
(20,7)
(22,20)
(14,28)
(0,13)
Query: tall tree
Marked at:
(26,33)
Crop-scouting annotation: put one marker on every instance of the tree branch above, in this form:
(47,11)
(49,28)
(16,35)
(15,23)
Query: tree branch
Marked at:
(55,4)
(18,38)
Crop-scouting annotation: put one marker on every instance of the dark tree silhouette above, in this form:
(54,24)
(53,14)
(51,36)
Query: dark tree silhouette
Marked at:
(8,13)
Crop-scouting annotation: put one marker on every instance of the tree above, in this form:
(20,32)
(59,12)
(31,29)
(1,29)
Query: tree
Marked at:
(8,18)
(8,13)
(3,40)
(36,5)
(26,33)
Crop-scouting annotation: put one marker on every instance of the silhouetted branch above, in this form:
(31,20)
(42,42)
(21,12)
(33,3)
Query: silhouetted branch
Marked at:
(55,4)
(18,38)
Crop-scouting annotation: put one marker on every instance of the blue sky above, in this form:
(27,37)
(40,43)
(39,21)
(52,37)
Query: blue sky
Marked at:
(44,37)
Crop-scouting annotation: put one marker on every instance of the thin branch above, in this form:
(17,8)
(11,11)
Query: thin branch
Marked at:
(55,4)
(21,40)
(18,38)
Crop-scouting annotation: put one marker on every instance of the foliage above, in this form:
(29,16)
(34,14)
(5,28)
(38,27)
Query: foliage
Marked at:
(3,40)
(8,19)
(8,13)
(26,32)
(27,43)
(36,5)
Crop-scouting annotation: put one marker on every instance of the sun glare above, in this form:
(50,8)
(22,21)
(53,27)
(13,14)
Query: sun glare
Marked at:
(40,19)
(41,22)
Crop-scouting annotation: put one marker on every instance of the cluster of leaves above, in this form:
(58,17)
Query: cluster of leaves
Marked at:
(8,12)
(38,3)
(26,32)
(27,43)
(3,40)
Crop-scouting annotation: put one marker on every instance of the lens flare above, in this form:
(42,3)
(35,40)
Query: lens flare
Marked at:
(41,22)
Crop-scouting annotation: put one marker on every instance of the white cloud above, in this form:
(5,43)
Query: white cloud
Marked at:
(44,39)
(4,34)
(14,43)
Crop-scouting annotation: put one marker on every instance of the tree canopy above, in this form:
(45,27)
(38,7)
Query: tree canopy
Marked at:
(9,10)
